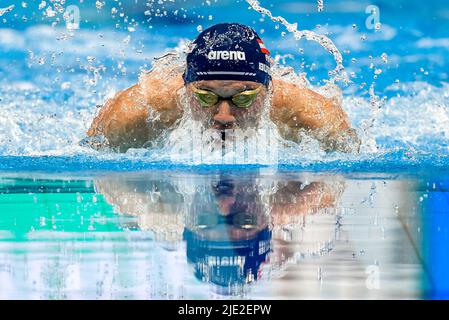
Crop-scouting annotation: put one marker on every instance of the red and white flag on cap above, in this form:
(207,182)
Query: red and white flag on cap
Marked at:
(262,47)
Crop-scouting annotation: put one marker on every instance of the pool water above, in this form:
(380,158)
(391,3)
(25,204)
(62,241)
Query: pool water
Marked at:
(186,235)
(52,78)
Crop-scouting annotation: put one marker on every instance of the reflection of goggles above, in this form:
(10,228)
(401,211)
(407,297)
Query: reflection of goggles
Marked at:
(223,187)
(242,100)
(241,220)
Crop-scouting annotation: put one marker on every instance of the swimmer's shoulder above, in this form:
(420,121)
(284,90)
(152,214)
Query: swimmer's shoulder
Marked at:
(161,88)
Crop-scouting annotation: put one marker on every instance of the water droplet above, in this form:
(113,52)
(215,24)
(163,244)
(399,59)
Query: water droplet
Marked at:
(42,5)
(99,5)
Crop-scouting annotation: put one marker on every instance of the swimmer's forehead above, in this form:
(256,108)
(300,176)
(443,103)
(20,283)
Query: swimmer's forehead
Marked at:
(231,85)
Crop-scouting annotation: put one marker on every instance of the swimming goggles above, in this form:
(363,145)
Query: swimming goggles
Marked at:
(243,99)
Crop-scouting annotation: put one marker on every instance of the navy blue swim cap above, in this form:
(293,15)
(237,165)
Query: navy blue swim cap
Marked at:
(228,51)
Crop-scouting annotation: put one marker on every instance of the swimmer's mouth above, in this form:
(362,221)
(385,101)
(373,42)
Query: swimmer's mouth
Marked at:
(223,127)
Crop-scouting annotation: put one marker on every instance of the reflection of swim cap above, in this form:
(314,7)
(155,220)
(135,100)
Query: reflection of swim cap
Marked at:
(228,51)
(227,263)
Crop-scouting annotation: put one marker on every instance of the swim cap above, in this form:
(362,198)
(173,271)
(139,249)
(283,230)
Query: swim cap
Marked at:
(228,263)
(228,51)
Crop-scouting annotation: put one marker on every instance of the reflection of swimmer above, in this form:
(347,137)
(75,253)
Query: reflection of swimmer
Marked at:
(227,236)
(227,223)
(227,81)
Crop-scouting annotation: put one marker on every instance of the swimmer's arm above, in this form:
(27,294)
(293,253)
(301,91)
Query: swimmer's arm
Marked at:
(124,120)
(301,108)
(133,198)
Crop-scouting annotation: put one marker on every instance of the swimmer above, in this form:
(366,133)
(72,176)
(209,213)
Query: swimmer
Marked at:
(227,80)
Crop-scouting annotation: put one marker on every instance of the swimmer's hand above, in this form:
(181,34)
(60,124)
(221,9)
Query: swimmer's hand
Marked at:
(140,113)
(296,108)
(345,140)
(95,142)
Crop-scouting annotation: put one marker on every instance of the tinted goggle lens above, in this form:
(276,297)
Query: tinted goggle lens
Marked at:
(242,100)
(206,99)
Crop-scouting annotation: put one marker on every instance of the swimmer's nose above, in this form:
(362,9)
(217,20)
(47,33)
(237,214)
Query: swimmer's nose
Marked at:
(224,116)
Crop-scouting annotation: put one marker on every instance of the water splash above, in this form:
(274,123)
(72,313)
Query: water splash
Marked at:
(376,104)
(42,117)
(339,73)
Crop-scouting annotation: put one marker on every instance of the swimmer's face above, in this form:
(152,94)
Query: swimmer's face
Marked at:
(225,114)
(234,212)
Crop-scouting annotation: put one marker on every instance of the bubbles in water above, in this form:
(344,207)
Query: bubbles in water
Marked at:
(320,4)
